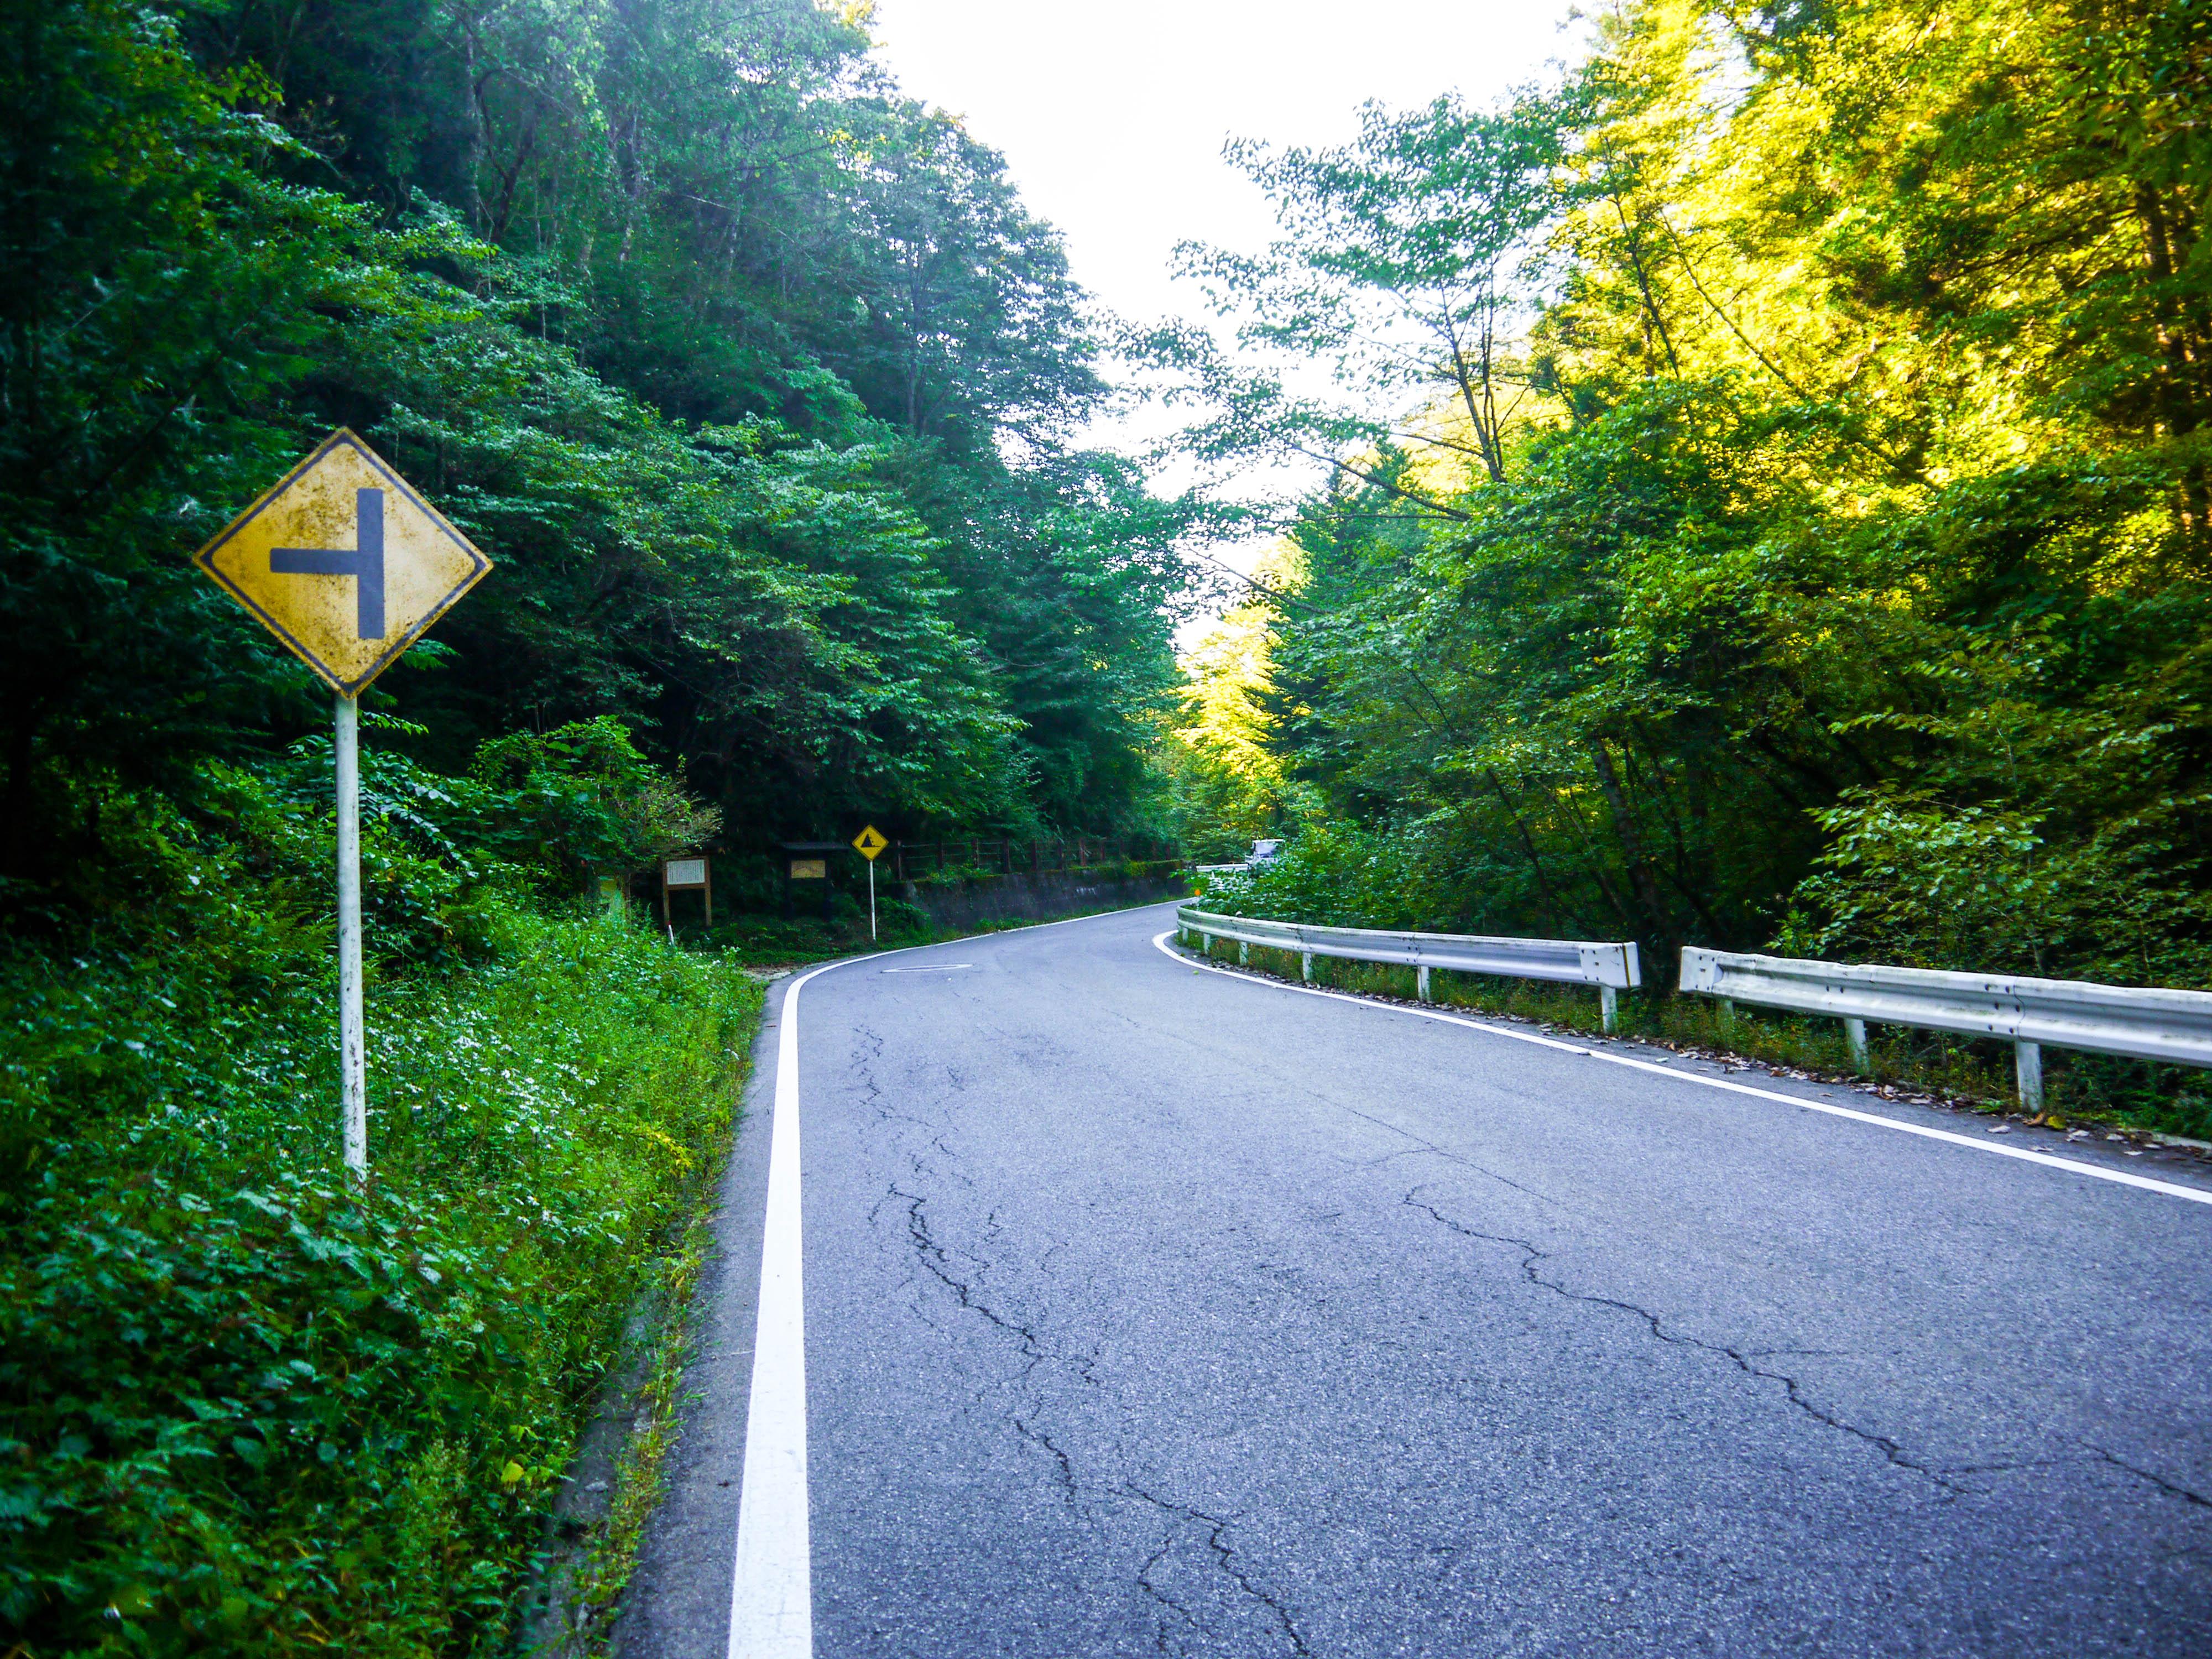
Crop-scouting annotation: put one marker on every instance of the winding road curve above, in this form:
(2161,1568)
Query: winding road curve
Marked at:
(1153,1309)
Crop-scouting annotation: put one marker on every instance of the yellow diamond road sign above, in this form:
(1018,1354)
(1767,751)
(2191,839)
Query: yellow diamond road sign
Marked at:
(344,562)
(869,842)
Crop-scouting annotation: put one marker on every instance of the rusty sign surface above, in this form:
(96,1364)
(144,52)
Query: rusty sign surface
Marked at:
(344,562)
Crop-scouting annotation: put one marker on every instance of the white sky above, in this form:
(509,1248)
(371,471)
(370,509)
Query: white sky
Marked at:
(1112,116)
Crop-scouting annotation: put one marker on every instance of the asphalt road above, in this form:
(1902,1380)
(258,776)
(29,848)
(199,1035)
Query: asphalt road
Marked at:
(1151,1310)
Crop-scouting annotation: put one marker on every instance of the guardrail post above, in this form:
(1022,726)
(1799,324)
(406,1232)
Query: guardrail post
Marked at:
(1243,954)
(1421,983)
(1608,1004)
(1305,967)
(1855,1035)
(1727,1017)
(2028,1071)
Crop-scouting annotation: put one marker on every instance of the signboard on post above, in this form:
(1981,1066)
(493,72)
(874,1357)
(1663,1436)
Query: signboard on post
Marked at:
(344,563)
(685,874)
(348,567)
(869,843)
(807,861)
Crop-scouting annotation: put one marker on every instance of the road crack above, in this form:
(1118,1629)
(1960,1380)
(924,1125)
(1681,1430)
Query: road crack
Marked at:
(1224,1559)
(1423,1147)
(2172,1489)
(1061,1461)
(938,1263)
(1532,1256)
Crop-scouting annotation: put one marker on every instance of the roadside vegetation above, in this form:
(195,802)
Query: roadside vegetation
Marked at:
(1794,531)
(753,377)
(246,1407)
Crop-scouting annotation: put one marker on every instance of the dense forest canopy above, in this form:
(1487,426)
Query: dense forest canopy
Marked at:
(752,374)
(1796,525)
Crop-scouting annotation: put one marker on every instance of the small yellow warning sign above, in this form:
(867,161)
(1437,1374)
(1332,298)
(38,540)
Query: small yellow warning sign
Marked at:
(344,562)
(869,843)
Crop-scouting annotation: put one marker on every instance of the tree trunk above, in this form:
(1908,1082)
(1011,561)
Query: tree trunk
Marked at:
(1632,838)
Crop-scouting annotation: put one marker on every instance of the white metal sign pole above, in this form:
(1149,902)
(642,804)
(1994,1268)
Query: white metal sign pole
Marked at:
(872,901)
(352,1061)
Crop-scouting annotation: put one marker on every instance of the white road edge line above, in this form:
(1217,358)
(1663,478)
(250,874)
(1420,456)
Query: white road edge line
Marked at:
(2121,1177)
(772,1589)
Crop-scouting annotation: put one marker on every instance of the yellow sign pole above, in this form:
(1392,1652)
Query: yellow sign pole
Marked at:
(869,843)
(352,1063)
(347,566)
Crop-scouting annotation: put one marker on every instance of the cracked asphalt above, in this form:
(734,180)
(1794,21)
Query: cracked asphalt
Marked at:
(1152,1311)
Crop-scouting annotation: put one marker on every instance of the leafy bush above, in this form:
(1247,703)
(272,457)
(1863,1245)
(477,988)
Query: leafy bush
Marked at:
(1333,875)
(1914,880)
(246,1407)
(243,1405)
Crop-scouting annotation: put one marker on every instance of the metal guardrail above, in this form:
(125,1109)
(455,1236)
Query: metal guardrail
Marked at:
(2029,1013)
(1611,967)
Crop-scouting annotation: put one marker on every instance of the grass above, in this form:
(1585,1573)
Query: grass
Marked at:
(586,1574)
(247,1408)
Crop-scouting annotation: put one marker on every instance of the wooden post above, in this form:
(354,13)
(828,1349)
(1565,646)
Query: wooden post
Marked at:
(707,886)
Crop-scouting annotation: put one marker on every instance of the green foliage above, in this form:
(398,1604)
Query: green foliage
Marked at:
(245,1408)
(1399,267)
(578,798)
(159,283)
(1843,586)
(1334,875)
(751,375)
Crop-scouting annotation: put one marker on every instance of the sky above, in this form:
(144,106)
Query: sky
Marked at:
(1111,116)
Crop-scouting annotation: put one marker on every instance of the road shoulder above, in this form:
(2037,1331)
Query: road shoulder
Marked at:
(678,1602)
